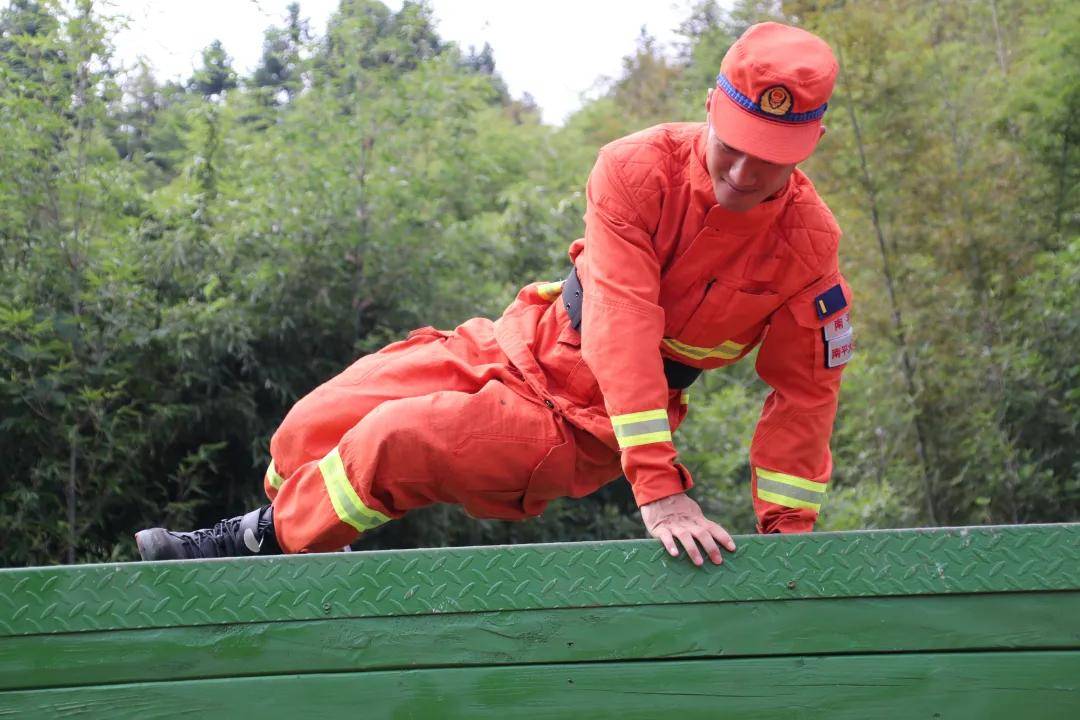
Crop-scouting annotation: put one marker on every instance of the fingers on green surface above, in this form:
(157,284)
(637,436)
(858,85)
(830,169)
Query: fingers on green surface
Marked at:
(687,540)
(722,536)
(664,535)
(703,535)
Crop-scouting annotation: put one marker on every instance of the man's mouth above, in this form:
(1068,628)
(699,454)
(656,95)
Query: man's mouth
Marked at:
(736,188)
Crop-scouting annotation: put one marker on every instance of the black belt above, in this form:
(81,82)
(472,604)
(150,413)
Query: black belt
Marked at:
(679,376)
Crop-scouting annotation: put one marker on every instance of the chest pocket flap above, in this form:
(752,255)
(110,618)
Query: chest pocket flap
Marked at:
(726,313)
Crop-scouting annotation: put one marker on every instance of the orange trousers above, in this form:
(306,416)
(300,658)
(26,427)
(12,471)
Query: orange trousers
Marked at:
(438,417)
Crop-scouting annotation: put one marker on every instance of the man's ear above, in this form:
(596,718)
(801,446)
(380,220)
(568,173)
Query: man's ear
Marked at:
(821,134)
(708,100)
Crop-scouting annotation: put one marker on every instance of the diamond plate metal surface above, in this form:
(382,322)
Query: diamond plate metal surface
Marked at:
(633,572)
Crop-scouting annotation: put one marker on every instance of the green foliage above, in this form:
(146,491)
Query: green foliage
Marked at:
(216,74)
(182,263)
(280,67)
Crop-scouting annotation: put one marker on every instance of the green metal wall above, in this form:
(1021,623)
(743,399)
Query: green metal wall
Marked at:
(944,623)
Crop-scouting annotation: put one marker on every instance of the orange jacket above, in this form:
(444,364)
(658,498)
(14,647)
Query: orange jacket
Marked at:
(662,266)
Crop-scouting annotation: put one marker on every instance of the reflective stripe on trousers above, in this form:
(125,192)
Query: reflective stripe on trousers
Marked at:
(789,490)
(347,504)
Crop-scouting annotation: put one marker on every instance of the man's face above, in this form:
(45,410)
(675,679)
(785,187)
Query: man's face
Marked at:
(741,181)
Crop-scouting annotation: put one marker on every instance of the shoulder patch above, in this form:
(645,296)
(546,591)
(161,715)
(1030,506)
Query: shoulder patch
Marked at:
(830,301)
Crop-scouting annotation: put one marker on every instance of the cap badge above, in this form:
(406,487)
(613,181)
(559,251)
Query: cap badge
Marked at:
(776,100)
(774,104)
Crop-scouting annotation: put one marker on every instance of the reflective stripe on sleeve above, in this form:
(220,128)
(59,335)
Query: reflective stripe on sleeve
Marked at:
(347,504)
(789,490)
(272,476)
(727,350)
(641,428)
(550,291)
(684,397)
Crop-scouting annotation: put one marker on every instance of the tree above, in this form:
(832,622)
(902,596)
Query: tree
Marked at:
(182,263)
(280,67)
(216,74)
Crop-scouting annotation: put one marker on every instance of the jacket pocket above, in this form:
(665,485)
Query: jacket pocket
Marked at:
(727,312)
(569,375)
(551,478)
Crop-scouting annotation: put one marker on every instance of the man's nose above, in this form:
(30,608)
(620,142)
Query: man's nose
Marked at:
(741,171)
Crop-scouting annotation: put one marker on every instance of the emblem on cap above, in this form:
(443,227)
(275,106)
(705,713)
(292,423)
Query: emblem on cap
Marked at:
(776,100)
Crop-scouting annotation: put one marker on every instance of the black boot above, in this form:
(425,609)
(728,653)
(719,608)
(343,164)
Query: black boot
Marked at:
(241,536)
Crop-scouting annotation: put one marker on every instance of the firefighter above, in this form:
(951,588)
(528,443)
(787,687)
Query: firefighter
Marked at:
(702,242)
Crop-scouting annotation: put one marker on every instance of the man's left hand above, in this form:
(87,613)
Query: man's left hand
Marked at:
(677,517)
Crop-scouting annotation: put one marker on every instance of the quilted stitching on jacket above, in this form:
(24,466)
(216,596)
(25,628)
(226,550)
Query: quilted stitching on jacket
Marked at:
(653,161)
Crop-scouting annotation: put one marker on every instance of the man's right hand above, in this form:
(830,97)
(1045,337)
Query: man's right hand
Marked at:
(677,517)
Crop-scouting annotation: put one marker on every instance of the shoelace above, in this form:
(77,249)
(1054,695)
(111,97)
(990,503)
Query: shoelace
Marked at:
(219,536)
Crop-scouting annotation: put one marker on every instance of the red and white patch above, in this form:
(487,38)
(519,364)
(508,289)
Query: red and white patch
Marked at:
(837,327)
(839,350)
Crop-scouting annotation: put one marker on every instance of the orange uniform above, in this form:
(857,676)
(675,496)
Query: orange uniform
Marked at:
(502,417)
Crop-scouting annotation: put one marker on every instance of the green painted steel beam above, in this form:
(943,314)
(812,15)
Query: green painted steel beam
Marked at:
(531,577)
(1005,685)
(958,622)
(990,622)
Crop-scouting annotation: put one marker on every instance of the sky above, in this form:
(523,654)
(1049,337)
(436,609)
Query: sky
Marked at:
(555,50)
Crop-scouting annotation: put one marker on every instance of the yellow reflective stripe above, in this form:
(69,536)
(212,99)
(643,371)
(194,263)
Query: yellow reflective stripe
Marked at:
(787,501)
(647,427)
(641,428)
(789,490)
(792,480)
(273,477)
(645,439)
(347,504)
(685,399)
(727,350)
(550,291)
(618,420)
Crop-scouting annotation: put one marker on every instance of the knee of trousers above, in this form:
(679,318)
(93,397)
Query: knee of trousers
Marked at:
(328,502)
(395,458)
(409,369)
(311,428)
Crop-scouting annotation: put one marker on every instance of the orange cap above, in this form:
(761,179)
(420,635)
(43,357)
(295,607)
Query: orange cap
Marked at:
(772,91)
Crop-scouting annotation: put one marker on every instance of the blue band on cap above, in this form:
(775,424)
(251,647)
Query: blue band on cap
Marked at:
(748,104)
